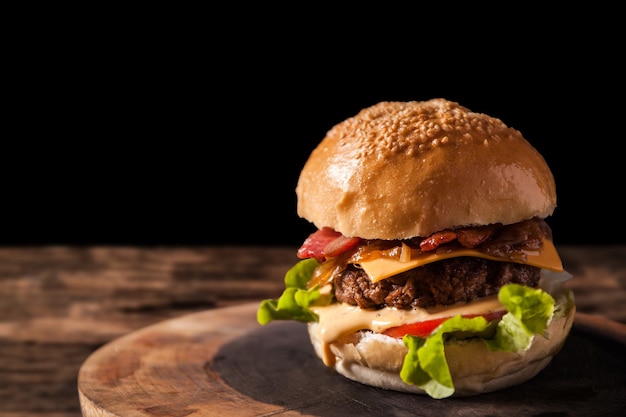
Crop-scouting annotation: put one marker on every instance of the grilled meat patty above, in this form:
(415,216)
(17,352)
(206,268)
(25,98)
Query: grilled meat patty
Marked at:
(439,283)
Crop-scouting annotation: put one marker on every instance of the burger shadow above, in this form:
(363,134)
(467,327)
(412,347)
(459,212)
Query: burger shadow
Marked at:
(276,365)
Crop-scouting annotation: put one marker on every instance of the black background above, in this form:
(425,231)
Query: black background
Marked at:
(192,128)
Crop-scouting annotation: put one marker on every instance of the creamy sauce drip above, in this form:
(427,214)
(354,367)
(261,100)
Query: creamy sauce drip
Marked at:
(337,320)
(340,319)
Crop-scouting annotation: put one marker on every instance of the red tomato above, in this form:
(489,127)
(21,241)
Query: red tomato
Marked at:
(425,328)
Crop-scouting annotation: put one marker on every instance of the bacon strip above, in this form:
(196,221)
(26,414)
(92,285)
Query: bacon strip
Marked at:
(326,243)
(433,241)
(495,239)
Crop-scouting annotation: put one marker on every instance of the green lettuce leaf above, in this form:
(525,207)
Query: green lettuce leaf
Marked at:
(425,364)
(529,312)
(295,300)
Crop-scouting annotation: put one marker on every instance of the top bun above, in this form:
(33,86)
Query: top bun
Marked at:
(402,169)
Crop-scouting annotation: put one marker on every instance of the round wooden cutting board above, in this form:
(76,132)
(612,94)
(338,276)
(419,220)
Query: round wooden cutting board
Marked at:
(223,363)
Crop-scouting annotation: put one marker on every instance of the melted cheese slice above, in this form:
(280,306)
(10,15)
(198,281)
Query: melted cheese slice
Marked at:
(380,268)
(338,319)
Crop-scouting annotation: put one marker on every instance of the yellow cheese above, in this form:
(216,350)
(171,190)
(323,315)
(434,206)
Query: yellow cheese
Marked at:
(338,319)
(381,268)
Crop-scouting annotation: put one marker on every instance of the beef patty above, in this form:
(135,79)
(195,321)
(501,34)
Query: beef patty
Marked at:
(439,283)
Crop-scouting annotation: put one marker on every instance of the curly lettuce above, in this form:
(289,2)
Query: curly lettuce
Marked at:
(295,300)
(529,311)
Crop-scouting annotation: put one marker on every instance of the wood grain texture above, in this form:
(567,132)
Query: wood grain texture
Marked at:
(165,370)
(222,363)
(599,282)
(60,304)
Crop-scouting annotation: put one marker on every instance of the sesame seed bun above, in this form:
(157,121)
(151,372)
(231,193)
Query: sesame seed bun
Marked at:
(403,169)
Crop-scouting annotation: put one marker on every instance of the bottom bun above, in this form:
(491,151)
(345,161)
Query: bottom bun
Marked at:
(376,360)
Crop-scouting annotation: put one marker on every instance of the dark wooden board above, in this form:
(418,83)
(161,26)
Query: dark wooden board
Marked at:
(223,363)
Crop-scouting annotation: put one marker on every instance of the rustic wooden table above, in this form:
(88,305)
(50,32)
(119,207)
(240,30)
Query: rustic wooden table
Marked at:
(60,304)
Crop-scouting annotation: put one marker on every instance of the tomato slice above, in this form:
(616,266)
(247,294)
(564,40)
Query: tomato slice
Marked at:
(425,328)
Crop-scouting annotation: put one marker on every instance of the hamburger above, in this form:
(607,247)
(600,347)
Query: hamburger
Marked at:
(432,269)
